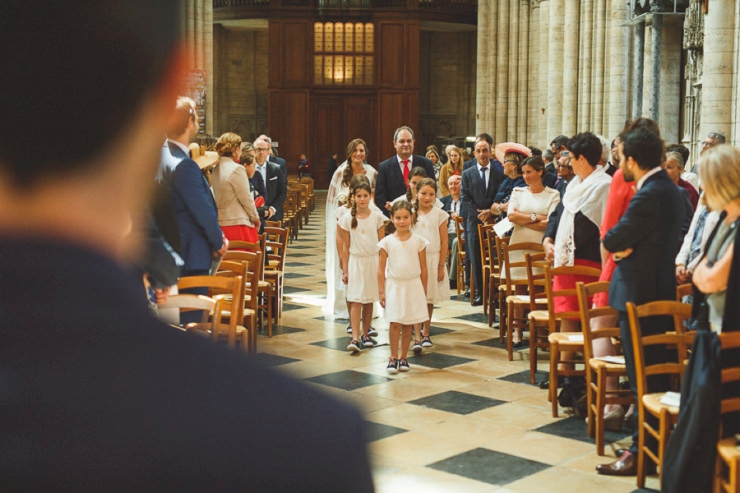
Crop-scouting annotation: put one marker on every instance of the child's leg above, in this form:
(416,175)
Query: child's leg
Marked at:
(394,335)
(406,340)
(367,318)
(417,331)
(354,319)
(428,323)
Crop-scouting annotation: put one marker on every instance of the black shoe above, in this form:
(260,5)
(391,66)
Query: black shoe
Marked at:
(453,284)
(478,301)
(467,293)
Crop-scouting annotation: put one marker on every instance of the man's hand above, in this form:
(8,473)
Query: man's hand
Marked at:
(549,247)
(271,212)
(682,275)
(224,247)
(617,256)
(483,215)
(388,205)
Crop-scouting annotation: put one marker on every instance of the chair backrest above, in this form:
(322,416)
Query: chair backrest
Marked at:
(679,340)
(684,290)
(247,256)
(730,341)
(232,268)
(459,230)
(585,293)
(250,268)
(243,245)
(276,244)
(211,307)
(507,249)
(273,224)
(552,293)
(500,242)
(232,287)
(483,231)
(536,263)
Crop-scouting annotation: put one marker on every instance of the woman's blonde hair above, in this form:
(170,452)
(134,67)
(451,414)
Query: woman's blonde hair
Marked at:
(719,170)
(227,144)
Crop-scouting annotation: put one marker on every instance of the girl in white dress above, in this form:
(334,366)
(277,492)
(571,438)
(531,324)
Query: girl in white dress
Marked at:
(360,231)
(402,280)
(415,176)
(431,224)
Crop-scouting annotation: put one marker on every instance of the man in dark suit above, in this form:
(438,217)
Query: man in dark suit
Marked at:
(392,181)
(644,243)
(275,186)
(98,395)
(479,187)
(282,163)
(195,208)
(496,164)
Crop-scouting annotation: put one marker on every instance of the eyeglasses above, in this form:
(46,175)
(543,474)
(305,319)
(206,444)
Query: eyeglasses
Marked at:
(261,149)
(707,143)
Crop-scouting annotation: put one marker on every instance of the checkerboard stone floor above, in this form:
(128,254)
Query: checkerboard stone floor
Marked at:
(463,419)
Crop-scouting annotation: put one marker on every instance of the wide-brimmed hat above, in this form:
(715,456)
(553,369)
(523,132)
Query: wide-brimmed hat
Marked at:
(202,157)
(501,149)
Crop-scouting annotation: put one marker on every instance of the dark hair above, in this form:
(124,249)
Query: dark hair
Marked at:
(681,149)
(415,171)
(536,151)
(560,141)
(390,228)
(644,146)
(587,145)
(359,182)
(347,175)
(535,162)
(641,122)
(80,71)
(398,130)
(424,182)
(486,137)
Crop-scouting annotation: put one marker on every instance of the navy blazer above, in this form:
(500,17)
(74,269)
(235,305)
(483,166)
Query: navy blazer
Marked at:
(195,208)
(390,185)
(282,164)
(473,195)
(276,188)
(651,226)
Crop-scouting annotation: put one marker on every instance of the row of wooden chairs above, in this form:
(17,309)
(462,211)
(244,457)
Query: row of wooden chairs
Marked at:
(299,203)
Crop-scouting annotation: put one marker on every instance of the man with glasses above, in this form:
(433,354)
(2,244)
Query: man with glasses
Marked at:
(275,184)
(713,138)
(275,159)
(565,172)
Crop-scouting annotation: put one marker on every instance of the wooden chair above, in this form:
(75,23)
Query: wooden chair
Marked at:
(459,231)
(571,342)
(276,245)
(649,403)
(539,320)
(486,261)
(500,294)
(727,468)
(598,370)
(211,307)
(516,304)
(684,290)
(273,224)
(233,287)
(249,267)
(265,292)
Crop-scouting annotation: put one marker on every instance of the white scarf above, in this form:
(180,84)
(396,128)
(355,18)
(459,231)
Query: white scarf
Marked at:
(587,197)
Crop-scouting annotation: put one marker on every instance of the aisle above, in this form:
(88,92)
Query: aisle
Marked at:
(463,419)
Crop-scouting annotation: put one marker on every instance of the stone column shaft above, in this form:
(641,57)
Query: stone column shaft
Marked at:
(484,72)
(656,51)
(502,69)
(638,67)
(514,70)
(599,90)
(525,73)
(717,82)
(584,65)
(554,108)
(570,69)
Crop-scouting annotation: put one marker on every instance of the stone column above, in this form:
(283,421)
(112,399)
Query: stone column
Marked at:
(502,68)
(484,70)
(526,75)
(618,61)
(513,72)
(534,87)
(717,82)
(555,64)
(197,28)
(638,68)
(598,86)
(656,51)
(542,66)
(570,69)
(585,50)
(670,79)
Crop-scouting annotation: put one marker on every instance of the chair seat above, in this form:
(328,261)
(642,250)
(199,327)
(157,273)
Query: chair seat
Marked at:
(652,403)
(727,449)
(524,298)
(567,339)
(595,364)
(539,315)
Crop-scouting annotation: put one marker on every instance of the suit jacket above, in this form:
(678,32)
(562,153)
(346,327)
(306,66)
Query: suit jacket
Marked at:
(447,206)
(495,162)
(474,197)
(651,225)
(195,208)
(276,189)
(390,184)
(283,166)
(112,399)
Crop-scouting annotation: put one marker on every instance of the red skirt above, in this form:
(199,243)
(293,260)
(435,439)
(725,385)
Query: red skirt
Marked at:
(241,232)
(570,303)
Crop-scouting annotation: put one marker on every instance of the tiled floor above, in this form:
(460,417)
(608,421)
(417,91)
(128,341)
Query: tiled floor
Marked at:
(463,419)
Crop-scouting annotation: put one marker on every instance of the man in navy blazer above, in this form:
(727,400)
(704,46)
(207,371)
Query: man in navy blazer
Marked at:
(644,243)
(275,182)
(282,163)
(495,162)
(390,183)
(477,200)
(195,208)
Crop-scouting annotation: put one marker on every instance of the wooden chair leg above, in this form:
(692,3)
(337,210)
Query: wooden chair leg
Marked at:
(553,384)
(599,417)
(510,330)
(502,320)
(640,448)
(532,352)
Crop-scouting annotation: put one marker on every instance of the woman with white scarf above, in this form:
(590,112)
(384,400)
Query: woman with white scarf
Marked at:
(572,235)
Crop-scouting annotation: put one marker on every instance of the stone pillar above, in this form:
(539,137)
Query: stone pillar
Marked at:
(543,67)
(656,51)
(502,69)
(484,70)
(638,68)
(598,87)
(527,76)
(670,79)
(570,69)
(197,28)
(514,71)
(584,66)
(618,62)
(534,80)
(555,64)
(717,82)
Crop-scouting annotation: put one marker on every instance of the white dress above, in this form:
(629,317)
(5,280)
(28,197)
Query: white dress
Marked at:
(524,201)
(362,271)
(335,302)
(405,302)
(427,226)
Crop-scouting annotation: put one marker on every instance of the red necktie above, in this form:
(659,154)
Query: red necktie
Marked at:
(406,171)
